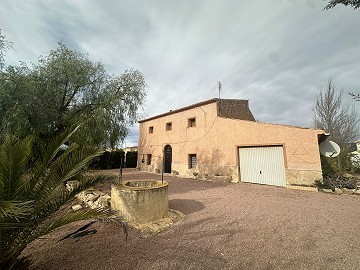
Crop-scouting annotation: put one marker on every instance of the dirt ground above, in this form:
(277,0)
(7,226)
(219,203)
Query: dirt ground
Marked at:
(226,226)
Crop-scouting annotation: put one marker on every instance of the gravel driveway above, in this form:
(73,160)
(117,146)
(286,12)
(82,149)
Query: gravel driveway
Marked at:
(226,226)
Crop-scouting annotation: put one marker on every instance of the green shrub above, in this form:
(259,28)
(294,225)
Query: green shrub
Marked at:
(340,164)
(33,188)
(131,159)
(108,160)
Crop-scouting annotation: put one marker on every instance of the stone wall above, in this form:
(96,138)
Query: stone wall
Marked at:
(235,109)
(140,204)
(302,177)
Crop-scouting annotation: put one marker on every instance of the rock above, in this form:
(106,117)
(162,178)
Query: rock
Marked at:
(348,191)
(76,207)
(104,201)
(100,193)
(327,190)
(92,204)
(357,192)
(94,198)
(81,196)
(338,191)
(70,185)
(87,195)
(91,197)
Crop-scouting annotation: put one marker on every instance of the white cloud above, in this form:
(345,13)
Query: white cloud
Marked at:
(278,54)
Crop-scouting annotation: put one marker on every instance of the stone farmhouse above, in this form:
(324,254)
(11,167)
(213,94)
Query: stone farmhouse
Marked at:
(219,139)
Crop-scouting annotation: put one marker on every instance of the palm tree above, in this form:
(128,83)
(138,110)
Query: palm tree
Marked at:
(32,188)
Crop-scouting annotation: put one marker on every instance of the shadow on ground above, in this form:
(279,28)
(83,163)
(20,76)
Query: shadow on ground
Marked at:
(186,206)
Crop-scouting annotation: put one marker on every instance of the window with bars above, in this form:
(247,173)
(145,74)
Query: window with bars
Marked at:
(151,129)
(192,161)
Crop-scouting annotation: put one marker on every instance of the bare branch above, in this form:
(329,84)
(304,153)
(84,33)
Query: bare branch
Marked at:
(331,115)
(352,3)
(355,96)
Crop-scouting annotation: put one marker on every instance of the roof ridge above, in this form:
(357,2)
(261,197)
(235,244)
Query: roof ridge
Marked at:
(198,104)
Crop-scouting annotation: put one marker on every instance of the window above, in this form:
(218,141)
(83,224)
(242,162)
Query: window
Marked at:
(148,159)
(169,126)
(192,161)
(191,122)
(151,129)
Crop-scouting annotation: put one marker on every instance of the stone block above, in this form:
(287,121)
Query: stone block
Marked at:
(302,177)
(76,207)
(347,191)
(91,197)
(70,185)
(104,201)
(338,191)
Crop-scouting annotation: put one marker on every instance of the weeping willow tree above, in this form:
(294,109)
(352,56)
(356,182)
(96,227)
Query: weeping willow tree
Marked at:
(31,189)
(65,88)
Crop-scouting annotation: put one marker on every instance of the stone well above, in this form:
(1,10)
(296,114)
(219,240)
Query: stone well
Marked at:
(140,201)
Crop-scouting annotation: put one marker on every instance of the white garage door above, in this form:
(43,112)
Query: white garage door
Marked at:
(262,165)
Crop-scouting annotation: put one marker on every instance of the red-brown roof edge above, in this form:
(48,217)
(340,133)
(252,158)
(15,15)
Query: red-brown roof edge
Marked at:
(181,109)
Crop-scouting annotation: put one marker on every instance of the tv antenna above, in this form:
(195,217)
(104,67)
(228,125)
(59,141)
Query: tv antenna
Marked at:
(220,88)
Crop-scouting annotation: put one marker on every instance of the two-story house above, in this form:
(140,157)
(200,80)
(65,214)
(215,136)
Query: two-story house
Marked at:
(220,137)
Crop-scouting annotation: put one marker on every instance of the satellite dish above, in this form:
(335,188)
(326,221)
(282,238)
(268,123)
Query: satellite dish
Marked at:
(329,149)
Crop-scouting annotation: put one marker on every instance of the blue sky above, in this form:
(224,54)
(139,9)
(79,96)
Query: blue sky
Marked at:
(277,54)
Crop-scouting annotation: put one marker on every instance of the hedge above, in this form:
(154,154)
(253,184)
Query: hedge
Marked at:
(111,160)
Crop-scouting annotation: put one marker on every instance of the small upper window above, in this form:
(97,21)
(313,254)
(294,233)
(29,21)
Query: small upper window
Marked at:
(192,161)
(148,159)
(151,129)
(169,126)
(191,122)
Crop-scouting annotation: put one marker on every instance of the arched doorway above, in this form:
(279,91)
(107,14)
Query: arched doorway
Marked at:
(167,159)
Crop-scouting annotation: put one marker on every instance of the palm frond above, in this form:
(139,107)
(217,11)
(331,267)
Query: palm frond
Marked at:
(53,148)
(69,218)
(68,165)
(48,152)
(15,209)
(33,188)
(14,161)
(19,226)
(60,196)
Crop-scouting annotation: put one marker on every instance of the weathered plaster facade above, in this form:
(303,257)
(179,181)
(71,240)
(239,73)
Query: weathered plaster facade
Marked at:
(216,137)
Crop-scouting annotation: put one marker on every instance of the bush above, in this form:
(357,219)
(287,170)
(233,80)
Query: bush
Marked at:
(32,189)
(131,159)
(108,160)
(340,164)
(332,181)
(355,161)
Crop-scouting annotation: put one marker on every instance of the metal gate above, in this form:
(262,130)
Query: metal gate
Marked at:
(262,165)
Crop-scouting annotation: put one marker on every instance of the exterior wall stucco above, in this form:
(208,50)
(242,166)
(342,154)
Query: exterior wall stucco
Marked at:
(216,140)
